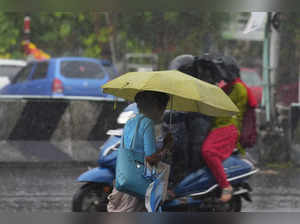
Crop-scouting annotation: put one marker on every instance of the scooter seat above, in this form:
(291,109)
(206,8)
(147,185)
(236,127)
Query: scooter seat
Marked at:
(202,180)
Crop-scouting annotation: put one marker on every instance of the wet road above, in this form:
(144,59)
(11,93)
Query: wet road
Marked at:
(275,190)
(49,188)
(38,188)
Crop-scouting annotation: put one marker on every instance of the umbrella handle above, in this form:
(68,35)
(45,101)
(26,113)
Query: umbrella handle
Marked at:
(115,103)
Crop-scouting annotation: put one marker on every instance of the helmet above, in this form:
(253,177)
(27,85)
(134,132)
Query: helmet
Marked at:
(181,60)
(231,67)
(185,64)
(209,67)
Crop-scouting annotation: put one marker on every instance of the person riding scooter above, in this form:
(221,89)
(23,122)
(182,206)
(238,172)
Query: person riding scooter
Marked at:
(189,129)
(224,136)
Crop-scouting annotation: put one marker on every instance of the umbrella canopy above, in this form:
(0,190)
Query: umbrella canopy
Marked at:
(187,93)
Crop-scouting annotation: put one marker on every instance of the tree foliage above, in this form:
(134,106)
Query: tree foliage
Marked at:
(170,33)
(166,33)
(11,35)
(87,34)
(56,33)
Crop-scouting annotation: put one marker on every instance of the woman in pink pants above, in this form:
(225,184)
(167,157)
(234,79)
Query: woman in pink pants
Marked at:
(224,136)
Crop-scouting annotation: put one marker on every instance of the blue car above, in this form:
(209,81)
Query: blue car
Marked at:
(65,76)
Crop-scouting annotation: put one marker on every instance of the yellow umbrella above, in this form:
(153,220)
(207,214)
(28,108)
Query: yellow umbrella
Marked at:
(187,93)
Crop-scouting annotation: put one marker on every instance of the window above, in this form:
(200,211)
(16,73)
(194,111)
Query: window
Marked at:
(40,71)
(23,74)
(9,70)
(81,69)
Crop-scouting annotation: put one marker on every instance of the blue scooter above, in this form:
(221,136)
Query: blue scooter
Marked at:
(196,192)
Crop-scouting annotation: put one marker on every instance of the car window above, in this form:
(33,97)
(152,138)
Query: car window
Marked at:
(81,69)
(23,74)
(9,70)
(40,71)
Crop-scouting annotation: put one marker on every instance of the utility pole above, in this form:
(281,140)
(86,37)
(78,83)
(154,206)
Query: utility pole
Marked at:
(266,66)
(270,64)
(111,38)
(274,58)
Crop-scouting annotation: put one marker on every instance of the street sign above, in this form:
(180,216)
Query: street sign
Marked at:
(256,22)
(252,23)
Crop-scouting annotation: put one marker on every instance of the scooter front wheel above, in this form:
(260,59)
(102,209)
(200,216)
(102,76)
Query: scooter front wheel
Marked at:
(91,197)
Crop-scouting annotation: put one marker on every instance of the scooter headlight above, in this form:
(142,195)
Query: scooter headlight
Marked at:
(125,116)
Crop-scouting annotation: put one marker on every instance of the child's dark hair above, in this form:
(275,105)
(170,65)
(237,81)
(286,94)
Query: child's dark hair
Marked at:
(145,99)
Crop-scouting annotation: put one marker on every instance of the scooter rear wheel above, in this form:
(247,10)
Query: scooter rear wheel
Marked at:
(91,197)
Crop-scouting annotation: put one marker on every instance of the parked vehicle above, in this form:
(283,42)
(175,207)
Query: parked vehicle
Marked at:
(139,62)
(8,69)
(196,192)
(254,81)
(65,76)
(287,93)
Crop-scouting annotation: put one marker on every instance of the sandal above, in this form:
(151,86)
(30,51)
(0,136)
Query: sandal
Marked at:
(226,194)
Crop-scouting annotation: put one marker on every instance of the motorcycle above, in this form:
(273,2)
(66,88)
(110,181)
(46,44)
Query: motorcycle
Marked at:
(198,191)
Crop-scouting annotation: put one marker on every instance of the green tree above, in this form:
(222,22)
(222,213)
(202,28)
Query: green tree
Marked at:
(70,33)
(87,34)
(11,36)
(59,34)
(170,33)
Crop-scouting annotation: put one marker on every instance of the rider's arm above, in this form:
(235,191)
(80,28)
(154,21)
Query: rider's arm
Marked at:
(156,157)
(152,154)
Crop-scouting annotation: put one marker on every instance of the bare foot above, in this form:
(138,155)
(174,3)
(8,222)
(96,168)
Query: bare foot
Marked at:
(226,194)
